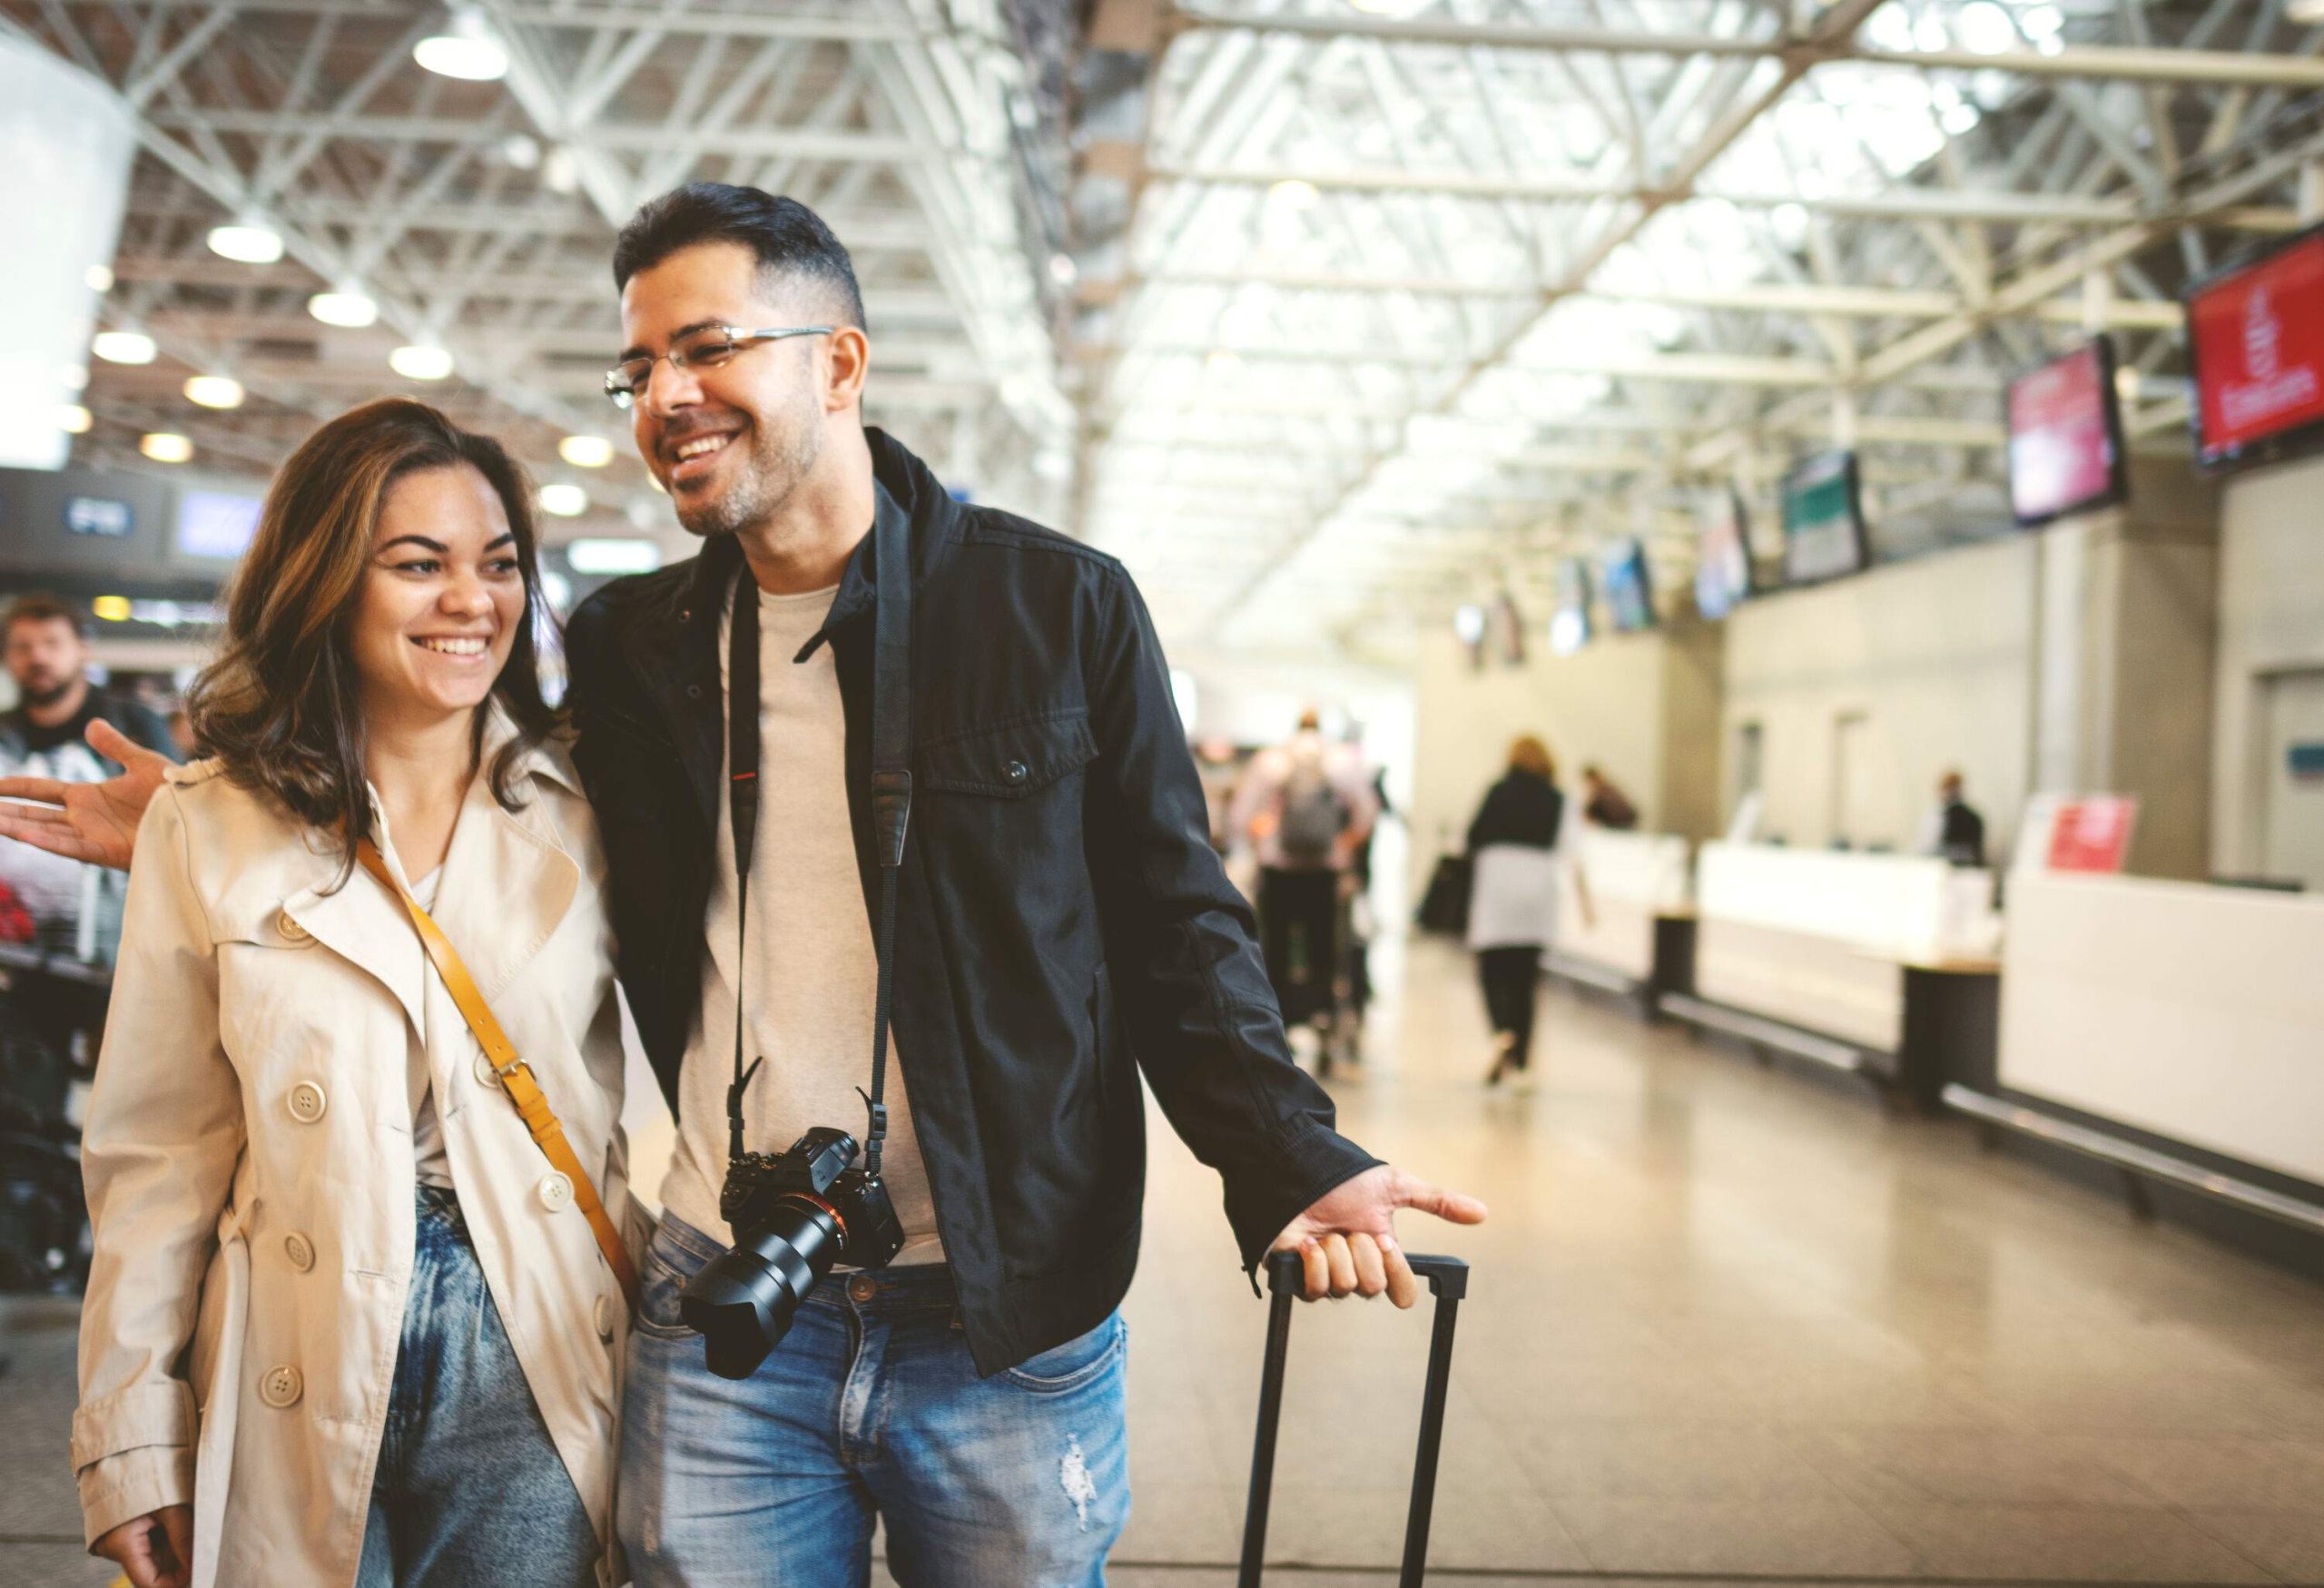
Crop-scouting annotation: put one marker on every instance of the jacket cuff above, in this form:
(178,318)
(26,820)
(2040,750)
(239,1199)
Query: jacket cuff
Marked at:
(154,1412)
(1316,1161)
(133,1483)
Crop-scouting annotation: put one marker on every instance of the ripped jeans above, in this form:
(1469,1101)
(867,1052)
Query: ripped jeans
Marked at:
(870,1407)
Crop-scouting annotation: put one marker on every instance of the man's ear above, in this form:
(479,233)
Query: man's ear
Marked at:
(847,360)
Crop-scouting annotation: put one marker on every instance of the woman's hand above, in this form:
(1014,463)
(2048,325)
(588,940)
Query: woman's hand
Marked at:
(154,1551)
(95,822)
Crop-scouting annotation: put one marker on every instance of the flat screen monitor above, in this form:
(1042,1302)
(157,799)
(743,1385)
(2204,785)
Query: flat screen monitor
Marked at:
(1822,519)
(216,525)
(2255,335)
(1569,623)
(2066,437)
(1722,554)
(1630,593)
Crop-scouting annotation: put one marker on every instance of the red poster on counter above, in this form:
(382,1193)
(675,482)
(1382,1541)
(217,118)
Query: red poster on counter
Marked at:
(2093,833)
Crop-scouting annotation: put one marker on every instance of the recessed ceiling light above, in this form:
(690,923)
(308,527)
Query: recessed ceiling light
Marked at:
(564,501)
(74,420)
(215,391)
(421,362)
(1293,192)
(469,52)
(247,243)
(98,277)
(166,447)
(348,307)
(123,347)
(586,451)
(110,608)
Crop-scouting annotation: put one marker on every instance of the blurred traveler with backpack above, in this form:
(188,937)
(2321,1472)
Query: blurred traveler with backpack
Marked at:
(1306,806)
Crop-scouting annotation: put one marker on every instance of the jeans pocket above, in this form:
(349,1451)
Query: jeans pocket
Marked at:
(667,1270)
(1076,1363)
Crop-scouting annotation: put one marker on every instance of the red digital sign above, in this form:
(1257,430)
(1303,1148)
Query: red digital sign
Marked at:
(2065,448)
(2256,336)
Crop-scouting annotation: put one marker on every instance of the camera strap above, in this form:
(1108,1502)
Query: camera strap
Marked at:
(890,795)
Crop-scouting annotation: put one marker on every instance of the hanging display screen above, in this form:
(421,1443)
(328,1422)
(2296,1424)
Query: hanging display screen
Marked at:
(1722,555)
(2255,335)
(2066,437)
(1629,593)
(1823,520)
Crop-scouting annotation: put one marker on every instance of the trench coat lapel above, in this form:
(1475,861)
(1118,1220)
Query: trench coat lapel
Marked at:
(358,921)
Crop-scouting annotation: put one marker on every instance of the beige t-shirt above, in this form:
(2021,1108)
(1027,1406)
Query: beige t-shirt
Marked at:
(813,974)
(429,1165)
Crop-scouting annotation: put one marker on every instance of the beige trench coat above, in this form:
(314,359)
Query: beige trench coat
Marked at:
(249,1171)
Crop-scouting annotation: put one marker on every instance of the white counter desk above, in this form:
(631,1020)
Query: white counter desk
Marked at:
(2191,1016)
(1634,939)
(1878,963)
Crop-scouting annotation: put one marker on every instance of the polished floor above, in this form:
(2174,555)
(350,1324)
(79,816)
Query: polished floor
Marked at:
(1728,1323)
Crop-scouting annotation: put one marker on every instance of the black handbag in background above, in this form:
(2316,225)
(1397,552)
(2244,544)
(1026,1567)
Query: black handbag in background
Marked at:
(1445,907)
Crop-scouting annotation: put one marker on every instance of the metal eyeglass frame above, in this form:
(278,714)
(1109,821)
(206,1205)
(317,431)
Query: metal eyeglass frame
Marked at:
(624,391)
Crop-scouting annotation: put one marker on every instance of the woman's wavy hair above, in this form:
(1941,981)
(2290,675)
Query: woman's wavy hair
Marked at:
(281,707)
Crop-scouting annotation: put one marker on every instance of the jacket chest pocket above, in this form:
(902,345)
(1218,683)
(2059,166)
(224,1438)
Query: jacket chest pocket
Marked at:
(1019,760)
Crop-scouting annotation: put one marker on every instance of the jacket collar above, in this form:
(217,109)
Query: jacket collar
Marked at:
(508,883)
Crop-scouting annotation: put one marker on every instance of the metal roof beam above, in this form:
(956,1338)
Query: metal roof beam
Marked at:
(2222,68)
(835,144)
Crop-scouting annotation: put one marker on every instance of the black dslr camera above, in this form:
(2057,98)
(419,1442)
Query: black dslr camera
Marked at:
(794,1215)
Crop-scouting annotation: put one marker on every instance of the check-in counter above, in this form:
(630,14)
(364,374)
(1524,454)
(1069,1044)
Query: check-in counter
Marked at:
(1877,963)
(1634,936)
(2190,1017)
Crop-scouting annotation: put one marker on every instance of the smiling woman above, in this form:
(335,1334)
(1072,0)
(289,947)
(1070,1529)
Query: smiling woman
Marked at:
(392,579)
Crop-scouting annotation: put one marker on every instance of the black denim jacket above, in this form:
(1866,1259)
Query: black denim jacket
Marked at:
(1064,921)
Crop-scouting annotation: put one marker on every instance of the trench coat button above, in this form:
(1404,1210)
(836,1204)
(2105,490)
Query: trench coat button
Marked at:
(308,1102)
(282,1387)
(862,1287)
(485,1073)
(603,1314)
(288,925)
(300,1250)
(555,1191)
(1016,771)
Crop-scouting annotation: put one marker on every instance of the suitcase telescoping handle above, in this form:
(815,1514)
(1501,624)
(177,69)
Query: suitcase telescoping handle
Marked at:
(1448,1277)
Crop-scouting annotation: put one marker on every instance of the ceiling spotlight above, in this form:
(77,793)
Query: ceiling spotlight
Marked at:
(98,277)
(1292,192)
(247,243)
(74,420)
(421,362)
(215,391)
(123,347)
(1062,269)
(586,451)
(469,52)
(166,447)
(564,499)
(350,308)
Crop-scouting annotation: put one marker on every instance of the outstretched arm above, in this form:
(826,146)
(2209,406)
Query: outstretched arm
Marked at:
(94,821)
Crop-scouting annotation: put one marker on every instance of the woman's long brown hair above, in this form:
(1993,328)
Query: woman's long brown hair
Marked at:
(281,707)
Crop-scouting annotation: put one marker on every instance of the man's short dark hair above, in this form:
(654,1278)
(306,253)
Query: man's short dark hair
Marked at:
(790,239)
(38,607)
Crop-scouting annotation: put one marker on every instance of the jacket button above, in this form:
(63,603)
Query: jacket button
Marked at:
(1016,771)
(694,692)
(288,924)
(604,1313)
(307,1102)
(555,1191)
(282,1387)
(686,616)
(862,1287)
(300,1250)
(485,1073)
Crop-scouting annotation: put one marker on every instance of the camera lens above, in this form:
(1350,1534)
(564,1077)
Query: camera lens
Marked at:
(742,1303)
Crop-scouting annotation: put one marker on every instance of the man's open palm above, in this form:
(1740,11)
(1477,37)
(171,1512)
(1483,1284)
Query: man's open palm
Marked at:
(95,822)
(1347,1239)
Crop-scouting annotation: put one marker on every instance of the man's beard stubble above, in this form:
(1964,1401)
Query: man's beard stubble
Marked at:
(769,474)
(46,695)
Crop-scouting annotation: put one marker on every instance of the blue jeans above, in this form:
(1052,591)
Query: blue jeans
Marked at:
(868,1407)
(469,1488)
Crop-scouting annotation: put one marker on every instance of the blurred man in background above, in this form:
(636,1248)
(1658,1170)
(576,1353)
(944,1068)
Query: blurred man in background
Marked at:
(1956,832)
(48,657)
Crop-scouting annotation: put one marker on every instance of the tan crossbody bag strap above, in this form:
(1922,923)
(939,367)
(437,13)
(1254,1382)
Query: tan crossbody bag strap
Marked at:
(525,1091)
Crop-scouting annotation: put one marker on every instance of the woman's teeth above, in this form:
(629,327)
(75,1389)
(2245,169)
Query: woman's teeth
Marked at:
(455,648)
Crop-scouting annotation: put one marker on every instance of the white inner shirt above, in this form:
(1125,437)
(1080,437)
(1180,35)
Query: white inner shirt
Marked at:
(813,971)
(429,1164)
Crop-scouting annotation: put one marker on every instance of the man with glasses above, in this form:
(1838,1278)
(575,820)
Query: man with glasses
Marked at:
(1061,925)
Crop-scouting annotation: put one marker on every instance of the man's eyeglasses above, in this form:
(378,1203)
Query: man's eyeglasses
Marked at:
(707,349)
